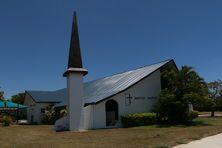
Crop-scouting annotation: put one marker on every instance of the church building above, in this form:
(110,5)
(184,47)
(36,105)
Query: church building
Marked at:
(99,103)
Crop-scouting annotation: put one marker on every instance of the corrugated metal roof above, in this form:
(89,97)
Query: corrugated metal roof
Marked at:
(42,96)
(48,96)
(98,90)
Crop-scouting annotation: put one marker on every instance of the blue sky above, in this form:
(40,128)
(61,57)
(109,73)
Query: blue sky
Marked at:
(115,35)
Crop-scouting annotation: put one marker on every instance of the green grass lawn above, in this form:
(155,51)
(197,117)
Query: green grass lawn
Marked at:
(35,136)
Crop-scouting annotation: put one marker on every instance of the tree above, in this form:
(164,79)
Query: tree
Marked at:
(18,98)
(1,95)
(182,87)
(215,89)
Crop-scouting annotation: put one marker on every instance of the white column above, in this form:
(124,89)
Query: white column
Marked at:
(75,100)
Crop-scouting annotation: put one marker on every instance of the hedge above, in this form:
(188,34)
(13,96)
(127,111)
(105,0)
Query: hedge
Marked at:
(192,115)
(138,119)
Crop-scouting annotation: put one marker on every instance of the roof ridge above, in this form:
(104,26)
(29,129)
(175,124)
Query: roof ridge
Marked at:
(115,84)
(127,71)
(52,91)
(40,90)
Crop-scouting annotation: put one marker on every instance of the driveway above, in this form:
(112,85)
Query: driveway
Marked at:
(208,142)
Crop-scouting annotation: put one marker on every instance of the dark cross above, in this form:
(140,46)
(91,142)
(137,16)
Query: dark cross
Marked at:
(128,96)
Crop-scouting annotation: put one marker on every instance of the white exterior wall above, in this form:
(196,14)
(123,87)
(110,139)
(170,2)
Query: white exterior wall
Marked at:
(148,87)
(34,109)
(87,118)
(75,100)
(94,116)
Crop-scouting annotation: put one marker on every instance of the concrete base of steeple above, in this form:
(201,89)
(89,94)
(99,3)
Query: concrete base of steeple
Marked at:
(75,100)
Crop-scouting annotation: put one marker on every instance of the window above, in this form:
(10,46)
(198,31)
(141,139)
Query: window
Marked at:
(42,110)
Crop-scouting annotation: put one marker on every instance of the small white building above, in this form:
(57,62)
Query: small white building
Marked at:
(99,103)
(37,101)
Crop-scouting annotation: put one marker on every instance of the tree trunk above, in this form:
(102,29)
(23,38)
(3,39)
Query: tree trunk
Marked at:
(212,113)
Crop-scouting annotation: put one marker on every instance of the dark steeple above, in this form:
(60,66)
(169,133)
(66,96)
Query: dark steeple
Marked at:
(75,60)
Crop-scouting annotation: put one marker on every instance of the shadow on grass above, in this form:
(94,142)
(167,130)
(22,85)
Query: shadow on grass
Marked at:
(188,124)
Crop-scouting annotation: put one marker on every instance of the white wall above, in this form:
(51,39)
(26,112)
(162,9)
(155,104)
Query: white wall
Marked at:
(34,109)
(75,100)
(149,87)
(87,118)
(95,115)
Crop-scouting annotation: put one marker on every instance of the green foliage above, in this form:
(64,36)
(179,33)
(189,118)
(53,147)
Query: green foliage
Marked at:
(63,112)
(138,119)
(191,115)
(1,95)
(52,114)
(170,109)
(182,87)
(19,98)
(218,103)
(49,116)
(215,89)
(205,104)
(6,120)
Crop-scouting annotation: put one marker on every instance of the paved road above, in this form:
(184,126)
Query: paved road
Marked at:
(208,142)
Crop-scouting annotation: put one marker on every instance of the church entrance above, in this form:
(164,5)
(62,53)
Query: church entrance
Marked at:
(111,113)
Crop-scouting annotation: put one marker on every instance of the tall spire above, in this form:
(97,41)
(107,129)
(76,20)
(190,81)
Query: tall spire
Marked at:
(75,60)
(75,86)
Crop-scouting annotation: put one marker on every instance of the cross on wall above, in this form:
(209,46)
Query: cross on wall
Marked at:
(128,98)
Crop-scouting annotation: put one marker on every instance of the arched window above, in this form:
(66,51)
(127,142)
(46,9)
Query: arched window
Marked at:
(111,113)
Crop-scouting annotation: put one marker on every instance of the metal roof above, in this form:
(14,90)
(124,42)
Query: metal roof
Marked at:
(100,89)
(48,96)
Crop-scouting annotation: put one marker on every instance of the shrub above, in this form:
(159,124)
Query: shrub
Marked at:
(49,115)
(52,114)
(1,118)
(170,109)
(192,115)
(6,121)
(138,119)
(63,112)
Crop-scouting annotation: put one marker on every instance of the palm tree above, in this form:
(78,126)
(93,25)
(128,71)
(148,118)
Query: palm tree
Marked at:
(184,81)
(182,87)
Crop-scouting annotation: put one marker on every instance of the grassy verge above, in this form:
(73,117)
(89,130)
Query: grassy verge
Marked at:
(219,114)
(34,136)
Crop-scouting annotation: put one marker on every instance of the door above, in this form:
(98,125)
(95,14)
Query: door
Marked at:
(111,113)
